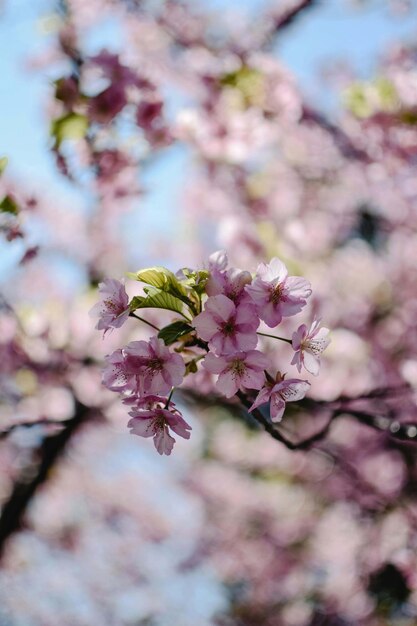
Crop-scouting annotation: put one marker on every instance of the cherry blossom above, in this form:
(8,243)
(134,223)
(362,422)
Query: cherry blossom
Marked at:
(309,344)
(113,307)
(159,369)
(230,283)
(218,261)
(279,393)
(277,295)
(227,328)
(157,423)
(237,371)
(121,371)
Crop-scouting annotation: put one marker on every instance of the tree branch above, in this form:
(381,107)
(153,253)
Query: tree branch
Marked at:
(289,15)
(52,447)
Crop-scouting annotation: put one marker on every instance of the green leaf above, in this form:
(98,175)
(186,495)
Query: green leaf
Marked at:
(162,278)
(249,81)
(8,205)
(156,299)
(3,164)
(358,101)
(171,333)
(70,126)
(165,280)
(196,280)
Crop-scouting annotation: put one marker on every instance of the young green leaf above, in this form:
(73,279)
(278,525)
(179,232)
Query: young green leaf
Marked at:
(156,299)
(171,333)
(70,126)
(8,205)
(165,280)
(3,164)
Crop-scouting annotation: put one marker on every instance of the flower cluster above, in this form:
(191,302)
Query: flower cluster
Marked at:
(218,313)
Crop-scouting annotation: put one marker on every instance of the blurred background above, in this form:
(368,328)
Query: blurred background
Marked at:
(153,132)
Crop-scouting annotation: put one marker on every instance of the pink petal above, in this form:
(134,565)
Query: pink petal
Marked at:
(144,427)
(220,307)
(277,408)
(253,379)
(292,390)
(228,383)
(138,349)
(218,260)
(178,425)
(298,286)
(245,341)
(297,360)
(321,338)
(256,360)
(163,441)
(311,363)
(271,315)
(262,398)
(205,325)
(259,292)
(246,314)
(214,364)
(274,271)
(298,336)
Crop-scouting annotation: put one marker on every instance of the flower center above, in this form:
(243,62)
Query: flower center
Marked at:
(315,347)
(155,364)
(112,306)
(276,293)
(238,367)
(159,421)
(229,327)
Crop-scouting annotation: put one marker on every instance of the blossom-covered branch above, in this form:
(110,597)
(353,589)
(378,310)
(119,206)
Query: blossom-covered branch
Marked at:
(223,308)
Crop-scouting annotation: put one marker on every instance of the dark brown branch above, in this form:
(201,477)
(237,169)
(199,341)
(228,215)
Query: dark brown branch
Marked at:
(272,430)
(291,14)
(52,447)
(397,430)
(343,141)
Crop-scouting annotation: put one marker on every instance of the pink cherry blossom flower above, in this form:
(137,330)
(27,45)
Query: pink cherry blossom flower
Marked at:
(227,328)
(218,261)
(156,423)
(237,371)
(117,375)
(158,369)
(277,295)
(309,345)
(230,283)
(144,368)
(279,393)
(113,307)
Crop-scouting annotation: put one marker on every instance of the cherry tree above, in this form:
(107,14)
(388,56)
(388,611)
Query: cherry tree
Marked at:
(291,499)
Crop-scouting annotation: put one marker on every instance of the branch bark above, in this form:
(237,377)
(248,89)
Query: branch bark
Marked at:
(51,449)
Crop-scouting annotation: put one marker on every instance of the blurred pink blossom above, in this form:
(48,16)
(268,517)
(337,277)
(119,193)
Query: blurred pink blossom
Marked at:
(113,308)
